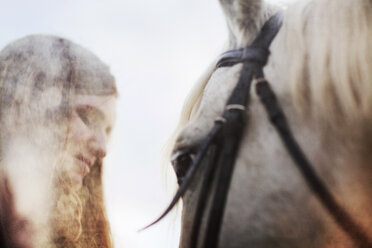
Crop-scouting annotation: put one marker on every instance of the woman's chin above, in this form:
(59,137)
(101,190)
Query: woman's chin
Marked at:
(77,181)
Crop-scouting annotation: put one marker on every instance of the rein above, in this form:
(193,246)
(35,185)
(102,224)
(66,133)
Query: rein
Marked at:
(223,143)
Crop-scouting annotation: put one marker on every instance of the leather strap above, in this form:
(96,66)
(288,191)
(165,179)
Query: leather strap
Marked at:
(236,120)
(231,123)
(313,181)
(248,54)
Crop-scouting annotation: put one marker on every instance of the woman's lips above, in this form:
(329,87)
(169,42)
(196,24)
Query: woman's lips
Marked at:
(86,164)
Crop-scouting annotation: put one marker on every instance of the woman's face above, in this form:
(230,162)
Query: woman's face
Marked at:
(91,122)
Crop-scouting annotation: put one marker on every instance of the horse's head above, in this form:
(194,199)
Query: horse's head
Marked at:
(320,68)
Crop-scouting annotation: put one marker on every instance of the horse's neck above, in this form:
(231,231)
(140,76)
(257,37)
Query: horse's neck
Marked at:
(340,158)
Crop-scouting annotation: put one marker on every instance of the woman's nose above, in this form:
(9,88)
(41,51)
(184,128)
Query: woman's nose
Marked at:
(98,144)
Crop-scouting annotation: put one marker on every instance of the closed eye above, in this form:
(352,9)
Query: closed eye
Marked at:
(90,116)
(84,117)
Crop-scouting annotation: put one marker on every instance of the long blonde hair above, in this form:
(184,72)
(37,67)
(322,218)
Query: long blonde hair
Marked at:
(80,218)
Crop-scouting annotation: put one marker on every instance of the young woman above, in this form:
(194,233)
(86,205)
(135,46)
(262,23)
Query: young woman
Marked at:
(57,109)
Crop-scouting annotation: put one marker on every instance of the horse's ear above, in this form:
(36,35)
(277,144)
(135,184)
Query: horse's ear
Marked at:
(244,19)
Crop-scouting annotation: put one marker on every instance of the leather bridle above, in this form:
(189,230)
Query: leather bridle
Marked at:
(225,137)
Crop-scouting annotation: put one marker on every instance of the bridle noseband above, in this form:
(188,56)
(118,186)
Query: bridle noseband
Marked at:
(226,136)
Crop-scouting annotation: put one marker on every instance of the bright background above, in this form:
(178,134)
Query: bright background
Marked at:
(156,50)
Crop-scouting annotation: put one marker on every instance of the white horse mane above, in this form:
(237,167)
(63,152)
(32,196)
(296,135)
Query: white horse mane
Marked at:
(330,63)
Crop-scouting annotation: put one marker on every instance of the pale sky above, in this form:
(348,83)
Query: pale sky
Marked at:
(156,50)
